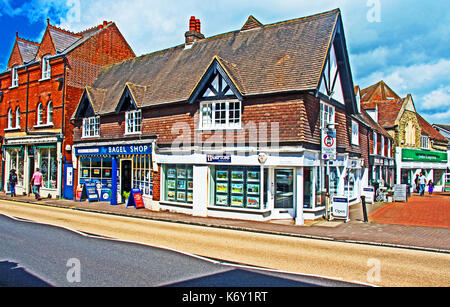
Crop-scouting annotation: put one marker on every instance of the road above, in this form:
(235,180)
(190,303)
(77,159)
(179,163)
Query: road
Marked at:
(353,263)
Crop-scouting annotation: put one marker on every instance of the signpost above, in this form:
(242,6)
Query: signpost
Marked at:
(328,144)
(339,208)
(135,199)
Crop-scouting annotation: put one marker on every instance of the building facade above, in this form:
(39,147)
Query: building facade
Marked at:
(39,91)
(418,146)
(201,129)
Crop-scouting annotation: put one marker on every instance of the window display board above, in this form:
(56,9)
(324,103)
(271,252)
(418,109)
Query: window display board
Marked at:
(237,186)
(179,183)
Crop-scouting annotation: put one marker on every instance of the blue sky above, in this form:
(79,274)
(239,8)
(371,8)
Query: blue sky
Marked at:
(404,42)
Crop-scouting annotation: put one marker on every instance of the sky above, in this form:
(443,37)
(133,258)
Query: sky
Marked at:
(406,43)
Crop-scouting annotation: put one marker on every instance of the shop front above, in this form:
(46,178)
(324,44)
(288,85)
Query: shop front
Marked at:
(28,153)
(381,170)
(411,162)
(248,186)
(115,170)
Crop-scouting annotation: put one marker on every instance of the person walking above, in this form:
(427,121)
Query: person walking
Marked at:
(416,182)
(36,181)
(422,184)
(12,182)
(430,187)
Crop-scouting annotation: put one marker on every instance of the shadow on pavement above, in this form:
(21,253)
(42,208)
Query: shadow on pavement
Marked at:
(11,275)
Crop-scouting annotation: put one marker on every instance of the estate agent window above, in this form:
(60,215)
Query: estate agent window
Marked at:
(179,184)
(238,186)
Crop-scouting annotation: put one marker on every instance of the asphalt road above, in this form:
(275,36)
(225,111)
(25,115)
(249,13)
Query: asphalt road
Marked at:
(39,255)
(354,263)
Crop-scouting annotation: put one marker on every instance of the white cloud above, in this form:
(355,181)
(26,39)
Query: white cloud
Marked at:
(437,99)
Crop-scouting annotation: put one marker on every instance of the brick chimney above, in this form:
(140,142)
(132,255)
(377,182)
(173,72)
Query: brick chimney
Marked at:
(194,34)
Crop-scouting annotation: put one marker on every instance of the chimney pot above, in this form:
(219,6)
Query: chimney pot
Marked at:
(197,26)
(105,23)
(192,23)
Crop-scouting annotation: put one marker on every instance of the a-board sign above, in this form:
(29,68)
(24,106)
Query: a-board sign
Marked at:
(135,199)
(79,192)
(105,194)
(400,192)
(90,191)
(369,193)
(339,207)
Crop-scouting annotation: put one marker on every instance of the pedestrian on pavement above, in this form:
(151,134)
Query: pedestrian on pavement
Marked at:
(422,184)
(416,182)
(36,180)
(12,182)
(430,187)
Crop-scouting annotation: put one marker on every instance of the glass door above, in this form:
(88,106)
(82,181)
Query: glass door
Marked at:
(284,191)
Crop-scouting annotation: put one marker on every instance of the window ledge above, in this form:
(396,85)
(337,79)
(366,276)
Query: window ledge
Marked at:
(43,126)
(218,129)
(90,137)
(12,129)
(44,79)
(133,133)
(13,87)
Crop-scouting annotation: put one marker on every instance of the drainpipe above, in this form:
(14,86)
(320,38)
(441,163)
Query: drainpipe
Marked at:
(26,107)
(63,157)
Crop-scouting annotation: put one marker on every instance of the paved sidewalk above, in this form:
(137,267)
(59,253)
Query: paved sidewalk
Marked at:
(355,231)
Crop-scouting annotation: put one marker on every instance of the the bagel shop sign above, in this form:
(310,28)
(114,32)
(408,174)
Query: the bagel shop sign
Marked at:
(417,155)
(114,150)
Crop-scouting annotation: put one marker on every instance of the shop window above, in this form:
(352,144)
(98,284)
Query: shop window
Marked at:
(179,184)
(349,184)
(142,175)
(96,170)
(236,186)
(91,126)
(16,158)
(48,165)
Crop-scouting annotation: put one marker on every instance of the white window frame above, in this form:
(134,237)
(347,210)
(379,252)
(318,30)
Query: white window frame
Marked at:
(133,122)
(17,117)
(382,145)
(39,114)
(46,68)
(375,143)
(355,132)
(91,127)
(425,141)
(327,114)
(14,77)
(210,122)
(50,113)
(10,118)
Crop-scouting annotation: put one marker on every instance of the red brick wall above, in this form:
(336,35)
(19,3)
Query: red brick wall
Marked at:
(15,57)
(157,184)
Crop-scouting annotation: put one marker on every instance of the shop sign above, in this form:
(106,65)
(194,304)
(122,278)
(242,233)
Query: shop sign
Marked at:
(90,192)
(339,205)
(417,155)
(218,159)
(115,150)
(135,199)
(328,144)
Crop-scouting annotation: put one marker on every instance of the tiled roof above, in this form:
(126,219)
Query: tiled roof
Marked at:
(290,53)
(430,130)
(251,23)
(62,39)
(27,49)
(378,92)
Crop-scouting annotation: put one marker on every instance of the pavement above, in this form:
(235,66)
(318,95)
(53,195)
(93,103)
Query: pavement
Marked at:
(422,223)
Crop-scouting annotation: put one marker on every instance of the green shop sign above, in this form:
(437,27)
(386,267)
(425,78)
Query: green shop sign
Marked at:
(417,155)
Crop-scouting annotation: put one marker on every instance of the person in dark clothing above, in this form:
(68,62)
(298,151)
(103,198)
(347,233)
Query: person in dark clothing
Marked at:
(13,182)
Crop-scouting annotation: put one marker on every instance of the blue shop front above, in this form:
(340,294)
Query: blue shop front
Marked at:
(114,170)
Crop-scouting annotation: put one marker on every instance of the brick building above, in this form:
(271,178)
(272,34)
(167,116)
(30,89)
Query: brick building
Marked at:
(39,90)
(418,146)
(230,125)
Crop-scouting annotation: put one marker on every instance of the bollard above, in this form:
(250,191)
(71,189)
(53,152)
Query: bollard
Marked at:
(363,200)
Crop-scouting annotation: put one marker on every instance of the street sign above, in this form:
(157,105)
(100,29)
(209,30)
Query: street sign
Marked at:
(328,144)
(369,193)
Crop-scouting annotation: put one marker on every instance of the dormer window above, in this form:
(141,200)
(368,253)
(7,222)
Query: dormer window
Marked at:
(133,122)
(91,127)
(46,69)
(14,77)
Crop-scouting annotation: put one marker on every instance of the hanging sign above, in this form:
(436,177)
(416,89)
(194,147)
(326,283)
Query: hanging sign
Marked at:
(135,199)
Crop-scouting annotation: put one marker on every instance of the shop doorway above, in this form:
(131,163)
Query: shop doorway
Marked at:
(125,177)
(30,173)
(284,193)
